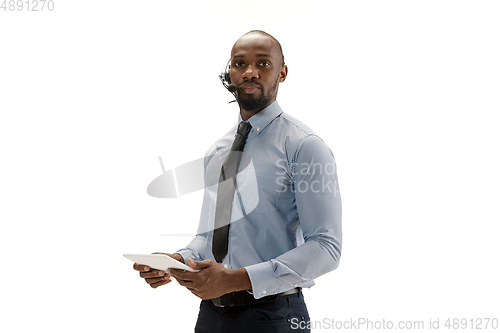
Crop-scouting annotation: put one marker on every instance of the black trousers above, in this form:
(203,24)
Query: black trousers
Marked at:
(282,315)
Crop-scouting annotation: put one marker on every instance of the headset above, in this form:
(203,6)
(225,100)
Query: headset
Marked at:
(226,79)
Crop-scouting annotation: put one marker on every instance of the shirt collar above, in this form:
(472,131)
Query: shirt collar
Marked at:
(261,119)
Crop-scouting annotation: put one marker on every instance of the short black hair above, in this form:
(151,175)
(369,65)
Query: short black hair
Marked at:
(270,36)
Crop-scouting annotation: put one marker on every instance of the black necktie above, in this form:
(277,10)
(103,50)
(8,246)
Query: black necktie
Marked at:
(225,193)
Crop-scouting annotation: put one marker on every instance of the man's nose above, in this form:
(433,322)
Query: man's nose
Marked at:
(250,73)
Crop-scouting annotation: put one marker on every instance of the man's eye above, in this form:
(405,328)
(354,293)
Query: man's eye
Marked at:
(238,64)
(264,63)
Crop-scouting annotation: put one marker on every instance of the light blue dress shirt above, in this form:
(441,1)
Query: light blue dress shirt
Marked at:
(287,230)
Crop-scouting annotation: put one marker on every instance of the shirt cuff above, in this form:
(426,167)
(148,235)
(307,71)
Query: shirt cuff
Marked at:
(186,253)
(263,280)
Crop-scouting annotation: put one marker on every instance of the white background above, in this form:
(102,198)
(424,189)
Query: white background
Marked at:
(405,93)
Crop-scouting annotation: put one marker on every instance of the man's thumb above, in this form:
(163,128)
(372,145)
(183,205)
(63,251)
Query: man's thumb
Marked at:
(198,264)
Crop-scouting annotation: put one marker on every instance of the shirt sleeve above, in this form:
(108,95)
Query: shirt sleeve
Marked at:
(319,210)
(194,249)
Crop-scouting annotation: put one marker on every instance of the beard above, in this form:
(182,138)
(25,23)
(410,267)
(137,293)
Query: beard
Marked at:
(253,103)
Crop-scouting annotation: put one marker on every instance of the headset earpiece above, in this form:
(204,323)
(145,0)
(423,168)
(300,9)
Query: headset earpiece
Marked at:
(225,78)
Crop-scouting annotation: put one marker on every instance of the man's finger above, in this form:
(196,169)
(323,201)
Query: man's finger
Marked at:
(141,268)
(161,283)
(187,284)
(200,264)
(182,282)
(157,279)
(194,293)
(152,274)
(183,275)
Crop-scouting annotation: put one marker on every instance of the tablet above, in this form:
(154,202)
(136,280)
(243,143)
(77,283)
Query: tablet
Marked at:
(158,261)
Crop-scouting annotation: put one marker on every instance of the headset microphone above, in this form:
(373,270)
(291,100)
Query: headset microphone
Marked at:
(232,87)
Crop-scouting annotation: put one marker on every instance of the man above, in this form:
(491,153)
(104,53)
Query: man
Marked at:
(252,268)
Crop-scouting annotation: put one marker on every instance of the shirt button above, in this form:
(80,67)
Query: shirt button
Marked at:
(264,292)
(225,265)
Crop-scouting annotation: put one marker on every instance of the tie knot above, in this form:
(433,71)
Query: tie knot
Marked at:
(244,128)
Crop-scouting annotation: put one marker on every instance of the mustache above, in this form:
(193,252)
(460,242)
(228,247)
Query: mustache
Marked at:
(251,82)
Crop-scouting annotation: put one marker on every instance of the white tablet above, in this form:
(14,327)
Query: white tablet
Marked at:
(158,261)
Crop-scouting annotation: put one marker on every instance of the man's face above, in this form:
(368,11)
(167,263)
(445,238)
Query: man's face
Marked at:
(256,69)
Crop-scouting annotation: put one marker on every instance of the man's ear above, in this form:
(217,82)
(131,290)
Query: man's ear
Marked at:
(283,73)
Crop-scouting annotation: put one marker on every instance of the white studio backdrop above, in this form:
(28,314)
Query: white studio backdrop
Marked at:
(405,93)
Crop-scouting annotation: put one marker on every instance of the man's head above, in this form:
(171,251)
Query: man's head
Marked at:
(256,68)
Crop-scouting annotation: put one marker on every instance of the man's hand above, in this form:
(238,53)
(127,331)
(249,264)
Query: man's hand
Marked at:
(212,280)
(154,277)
